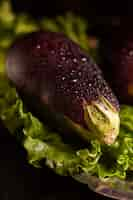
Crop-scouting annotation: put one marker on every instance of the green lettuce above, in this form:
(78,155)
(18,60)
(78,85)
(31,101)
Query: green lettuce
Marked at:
(46,147)
(42,145)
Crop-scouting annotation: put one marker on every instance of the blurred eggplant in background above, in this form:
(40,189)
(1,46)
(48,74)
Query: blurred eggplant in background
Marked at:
(116,52)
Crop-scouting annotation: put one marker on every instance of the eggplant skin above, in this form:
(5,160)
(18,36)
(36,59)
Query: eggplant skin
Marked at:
(58,72)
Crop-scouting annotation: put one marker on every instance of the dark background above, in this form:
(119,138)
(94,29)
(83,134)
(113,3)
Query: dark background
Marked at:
(18,180)
(102,14)
(86,8)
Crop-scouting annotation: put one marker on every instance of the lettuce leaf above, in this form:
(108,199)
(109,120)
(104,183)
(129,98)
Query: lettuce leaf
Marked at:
(42,145)
(46,147)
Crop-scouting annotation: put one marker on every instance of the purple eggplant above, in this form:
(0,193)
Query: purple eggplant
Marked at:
(61,76)
(117,63)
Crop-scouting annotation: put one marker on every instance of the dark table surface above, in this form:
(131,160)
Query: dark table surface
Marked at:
(20,181)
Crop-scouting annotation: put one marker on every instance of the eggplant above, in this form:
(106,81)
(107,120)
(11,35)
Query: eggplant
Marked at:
(117,62)
(57,79)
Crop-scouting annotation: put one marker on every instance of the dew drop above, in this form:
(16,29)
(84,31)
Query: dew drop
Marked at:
(74,80)
(76,92)
(52,52)
(90,84)
(61,49)
(72,72)
(67,61)
(59,65)
(98,77)
(68,53)
(38,46)
(75,60)
(131,53)
(79,73)
(84,59)
(61,53)
(63,58)
(63,78)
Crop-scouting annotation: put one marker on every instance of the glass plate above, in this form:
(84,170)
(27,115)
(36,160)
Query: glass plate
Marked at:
(113,188)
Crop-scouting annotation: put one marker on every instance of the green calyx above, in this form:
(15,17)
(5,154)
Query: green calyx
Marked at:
(103,119)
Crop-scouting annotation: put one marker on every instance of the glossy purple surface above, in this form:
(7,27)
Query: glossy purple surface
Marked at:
(57,71)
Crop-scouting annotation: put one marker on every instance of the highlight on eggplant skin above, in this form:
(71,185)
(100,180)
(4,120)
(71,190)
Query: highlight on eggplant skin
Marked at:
(54,69)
